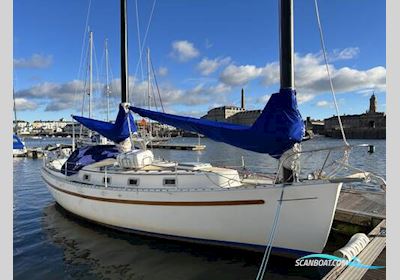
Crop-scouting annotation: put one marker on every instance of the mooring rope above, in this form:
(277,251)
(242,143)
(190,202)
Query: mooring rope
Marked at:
(268,249)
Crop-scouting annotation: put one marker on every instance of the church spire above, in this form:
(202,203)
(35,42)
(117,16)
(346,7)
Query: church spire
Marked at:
(372,104)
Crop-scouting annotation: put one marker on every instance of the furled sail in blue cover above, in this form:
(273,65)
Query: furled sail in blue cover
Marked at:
(17,143)
(117,131)
(88,155)
(276,130)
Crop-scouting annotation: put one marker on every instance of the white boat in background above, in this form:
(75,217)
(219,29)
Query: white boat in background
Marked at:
(19,149)
(130,190)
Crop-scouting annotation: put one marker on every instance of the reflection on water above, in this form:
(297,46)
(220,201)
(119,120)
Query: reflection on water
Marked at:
(49,243)
(106,253)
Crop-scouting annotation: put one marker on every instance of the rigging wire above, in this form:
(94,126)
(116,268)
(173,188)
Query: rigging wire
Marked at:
(144,42)
(158,89)
(97,72)
(81,60)
(321,35)
(103,89)
(138,36)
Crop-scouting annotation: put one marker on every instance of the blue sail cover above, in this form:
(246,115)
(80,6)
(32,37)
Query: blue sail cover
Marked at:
(117,131)
(276,130)
(88,155)
(17,143)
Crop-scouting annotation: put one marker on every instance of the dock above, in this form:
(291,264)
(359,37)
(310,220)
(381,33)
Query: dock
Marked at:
(183,147)
(37,152)
(359,210)
(34,153)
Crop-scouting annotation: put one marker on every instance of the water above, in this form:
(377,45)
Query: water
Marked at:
(52,244)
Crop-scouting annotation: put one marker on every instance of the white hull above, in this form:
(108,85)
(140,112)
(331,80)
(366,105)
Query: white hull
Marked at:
(240,216)
(19,152)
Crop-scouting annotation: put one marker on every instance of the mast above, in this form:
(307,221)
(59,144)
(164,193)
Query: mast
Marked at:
(148,89)
(286,44)
(148,77)
(15,115)
(107,81)
(90,72)
(124,55)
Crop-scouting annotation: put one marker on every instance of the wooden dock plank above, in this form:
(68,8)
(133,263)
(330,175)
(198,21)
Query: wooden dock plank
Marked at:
(377,273)
(367,256)
(362,208)
(373,254)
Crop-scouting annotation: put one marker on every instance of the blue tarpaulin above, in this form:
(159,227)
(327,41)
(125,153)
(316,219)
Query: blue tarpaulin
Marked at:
(117,131)
(17,143)
(276,130)
(88,155)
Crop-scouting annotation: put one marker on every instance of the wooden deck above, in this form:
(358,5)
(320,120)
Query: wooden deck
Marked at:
(373,254)
(363,208)
(366,209)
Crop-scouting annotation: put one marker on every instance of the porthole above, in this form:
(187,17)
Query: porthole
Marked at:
(133,182)
(86,177)
(108,180)
(169,182)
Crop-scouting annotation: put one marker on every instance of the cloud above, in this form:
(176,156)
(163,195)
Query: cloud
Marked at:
(346,53)
(22,104)
(57,96)
(184,50)
(162,71)
(270,73)
(208,44)
(201,93)
(239,75)
(207,66)
(311,76)
(304,97)
(36,61)
(263,99)
(323,103)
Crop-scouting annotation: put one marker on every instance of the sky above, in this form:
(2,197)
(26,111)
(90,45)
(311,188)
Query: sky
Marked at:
(202,51)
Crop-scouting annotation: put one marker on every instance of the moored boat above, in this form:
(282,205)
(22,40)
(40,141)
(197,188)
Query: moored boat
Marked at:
(127,188)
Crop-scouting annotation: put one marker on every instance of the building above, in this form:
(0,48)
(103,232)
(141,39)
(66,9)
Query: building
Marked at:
(221,114)
(316,126)
(370,125)
(49,127)
(233,114)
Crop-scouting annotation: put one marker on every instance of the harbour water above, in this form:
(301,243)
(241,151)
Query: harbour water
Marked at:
(49,243)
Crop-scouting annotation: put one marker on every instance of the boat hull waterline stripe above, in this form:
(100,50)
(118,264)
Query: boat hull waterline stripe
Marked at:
(163,203)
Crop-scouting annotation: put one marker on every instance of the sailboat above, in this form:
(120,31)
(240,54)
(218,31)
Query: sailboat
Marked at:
(94,139)
(128,189)
(19,149)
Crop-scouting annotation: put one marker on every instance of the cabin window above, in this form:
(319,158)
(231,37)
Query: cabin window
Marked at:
(108,180)
(133,182)
(86,177)
(169,182)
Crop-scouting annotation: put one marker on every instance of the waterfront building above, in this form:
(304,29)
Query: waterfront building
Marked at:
(22,127)
(233,114)
(370,125)
(40,126)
